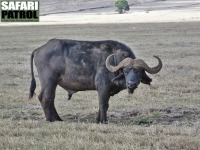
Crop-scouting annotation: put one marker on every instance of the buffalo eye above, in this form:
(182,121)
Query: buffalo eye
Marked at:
(126,70)
(139,73)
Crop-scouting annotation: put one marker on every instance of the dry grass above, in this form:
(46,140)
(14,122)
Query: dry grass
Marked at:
(163,116)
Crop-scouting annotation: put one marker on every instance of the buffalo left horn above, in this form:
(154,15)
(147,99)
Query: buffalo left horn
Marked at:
(123,63)
(135,63)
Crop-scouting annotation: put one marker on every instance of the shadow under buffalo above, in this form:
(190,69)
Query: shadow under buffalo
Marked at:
(168,116)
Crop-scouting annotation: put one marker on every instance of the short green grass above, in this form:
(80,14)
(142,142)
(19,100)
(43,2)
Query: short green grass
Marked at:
(165,115)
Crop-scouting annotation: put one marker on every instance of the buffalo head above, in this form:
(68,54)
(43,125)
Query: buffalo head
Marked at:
(132,70)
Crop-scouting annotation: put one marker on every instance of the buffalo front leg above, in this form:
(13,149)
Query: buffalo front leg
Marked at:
(103,107)
(46,98)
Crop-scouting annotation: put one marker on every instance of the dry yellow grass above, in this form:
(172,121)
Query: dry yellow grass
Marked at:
(163,116)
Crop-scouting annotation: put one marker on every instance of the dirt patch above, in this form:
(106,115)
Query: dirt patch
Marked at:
(168,116)
(177,116)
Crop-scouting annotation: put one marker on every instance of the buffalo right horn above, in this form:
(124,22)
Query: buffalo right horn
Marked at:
(139,63)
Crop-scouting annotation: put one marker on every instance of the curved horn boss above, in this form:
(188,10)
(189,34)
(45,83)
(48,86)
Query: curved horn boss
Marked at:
(135,63)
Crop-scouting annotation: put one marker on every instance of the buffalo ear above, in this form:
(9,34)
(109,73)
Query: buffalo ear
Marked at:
(145,79)
(116,79)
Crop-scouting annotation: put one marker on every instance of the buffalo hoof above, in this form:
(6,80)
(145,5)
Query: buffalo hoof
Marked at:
(105,122)
(54,119)
(102,122)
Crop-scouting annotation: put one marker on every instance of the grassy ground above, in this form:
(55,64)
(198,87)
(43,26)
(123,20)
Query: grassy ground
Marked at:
(163,116)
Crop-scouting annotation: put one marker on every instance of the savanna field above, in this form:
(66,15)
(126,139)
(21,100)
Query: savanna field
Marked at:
(163,116)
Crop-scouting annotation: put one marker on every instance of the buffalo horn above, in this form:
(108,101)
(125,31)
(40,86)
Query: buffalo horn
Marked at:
(139,63)
(123,63)
(135,63)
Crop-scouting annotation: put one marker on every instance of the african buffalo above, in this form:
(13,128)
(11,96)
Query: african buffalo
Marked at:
(105,66)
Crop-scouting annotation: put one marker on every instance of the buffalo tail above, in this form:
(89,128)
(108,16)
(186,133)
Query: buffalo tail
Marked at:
(33,82)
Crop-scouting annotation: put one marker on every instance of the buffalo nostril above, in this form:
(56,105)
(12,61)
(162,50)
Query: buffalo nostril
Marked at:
(131,84)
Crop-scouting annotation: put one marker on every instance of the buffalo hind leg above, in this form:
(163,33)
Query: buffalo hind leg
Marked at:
(46,98)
